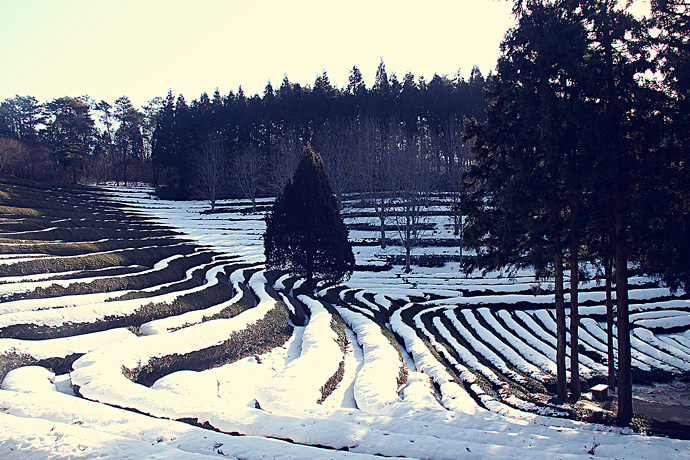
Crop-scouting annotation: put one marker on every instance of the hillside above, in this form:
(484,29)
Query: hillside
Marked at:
(136,327)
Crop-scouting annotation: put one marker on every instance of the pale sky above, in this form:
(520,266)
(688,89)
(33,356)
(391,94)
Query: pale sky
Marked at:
(143,48)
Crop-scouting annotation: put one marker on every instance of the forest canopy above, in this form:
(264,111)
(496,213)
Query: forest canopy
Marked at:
(80,139)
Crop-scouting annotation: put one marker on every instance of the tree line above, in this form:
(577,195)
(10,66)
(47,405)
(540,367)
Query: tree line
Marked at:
(261,137)
(75,139)
(254,141)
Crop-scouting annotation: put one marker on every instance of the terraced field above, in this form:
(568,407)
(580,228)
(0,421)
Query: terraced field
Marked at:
(132,327)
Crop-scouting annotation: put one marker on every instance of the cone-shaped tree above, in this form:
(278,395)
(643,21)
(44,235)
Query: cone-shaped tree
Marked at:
(305,234)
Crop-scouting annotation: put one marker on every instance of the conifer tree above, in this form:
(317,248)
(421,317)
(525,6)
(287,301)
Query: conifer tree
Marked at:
(526,158)
(305,234)
(561,154)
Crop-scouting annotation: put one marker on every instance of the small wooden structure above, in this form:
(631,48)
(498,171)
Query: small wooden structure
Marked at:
(600,392)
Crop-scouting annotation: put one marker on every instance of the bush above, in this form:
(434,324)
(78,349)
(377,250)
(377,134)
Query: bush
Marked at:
(134,256)
(273,330)
(199,300)
(305,234)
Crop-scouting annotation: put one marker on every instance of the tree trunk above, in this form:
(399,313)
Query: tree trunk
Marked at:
(574,324)
(382,227)
(154,174)
(408,240)
(339,200)
(461,243)
(609,323)
(310,273)
(561,382)
(381,214)
(625,408)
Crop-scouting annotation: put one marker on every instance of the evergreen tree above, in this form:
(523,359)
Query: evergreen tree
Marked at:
(128,137)
(666,246)
(527,164)
(617,132)
(561,157)
(69,132)
(20,117)
(355,85)
(163,141)
(305,234)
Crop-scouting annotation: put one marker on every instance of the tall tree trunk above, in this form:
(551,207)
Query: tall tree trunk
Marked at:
(561,381)
(625,408)
(608,274)
(310,273)
(574,324)
(382,228)
(461,242)
(154,174)
(381,214)
(408,241)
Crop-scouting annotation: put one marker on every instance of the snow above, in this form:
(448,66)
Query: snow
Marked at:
(64,346)
(271,399)
(86,308)
(296,388)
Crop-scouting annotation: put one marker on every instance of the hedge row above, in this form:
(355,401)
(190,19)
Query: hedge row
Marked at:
(37,231)
(136,256)
(175,271)
(273,330)
(301,312)
(338,326)
(213,295)
(78,248)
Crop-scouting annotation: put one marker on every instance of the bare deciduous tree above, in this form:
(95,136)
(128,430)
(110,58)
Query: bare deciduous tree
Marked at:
(374,169)
(211,172)
(27,160)
(412,181)
(248,173)
(335,141)
(11,152)
(457,158)
(284,160)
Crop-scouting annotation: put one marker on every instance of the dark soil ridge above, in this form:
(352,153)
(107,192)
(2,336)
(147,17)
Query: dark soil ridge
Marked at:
(110,271)
(300,315)
(506,386)
(176,282)
(533,385)
(87,233)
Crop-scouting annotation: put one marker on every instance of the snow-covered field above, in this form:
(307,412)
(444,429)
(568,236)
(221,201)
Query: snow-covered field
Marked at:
(430,364)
